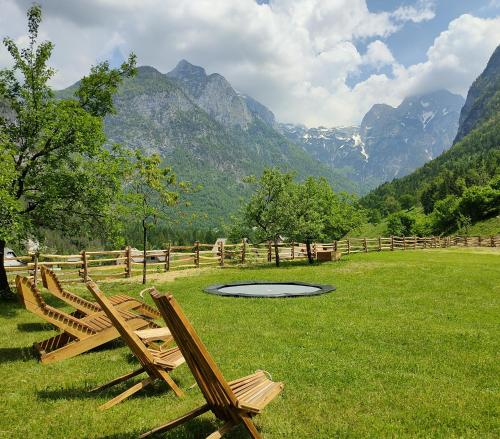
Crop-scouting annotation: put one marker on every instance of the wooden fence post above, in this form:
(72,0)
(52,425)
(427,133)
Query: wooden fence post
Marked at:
(379,243)
(269,252)
(365,246)
(35,264)
(243,250)
(404,242)
(197,254)
(167,258)
(479,240)
(85,266)
(348,246)
(314,250)
(414,243)
(466,241)
(128,262)
(392,243)
(221,251)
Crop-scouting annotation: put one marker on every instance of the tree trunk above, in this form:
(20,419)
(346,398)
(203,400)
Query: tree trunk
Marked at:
(309,251)
(276,253)
(5,291)
(144,243)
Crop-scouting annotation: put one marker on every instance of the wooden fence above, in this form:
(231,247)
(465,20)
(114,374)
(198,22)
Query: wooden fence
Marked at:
(126,263)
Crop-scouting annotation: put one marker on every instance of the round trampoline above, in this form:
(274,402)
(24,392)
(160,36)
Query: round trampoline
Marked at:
(269,289)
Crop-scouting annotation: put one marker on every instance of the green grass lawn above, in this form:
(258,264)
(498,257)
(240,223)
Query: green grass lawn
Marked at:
(408,346)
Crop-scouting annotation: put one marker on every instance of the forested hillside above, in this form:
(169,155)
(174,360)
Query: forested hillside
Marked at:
(462,185)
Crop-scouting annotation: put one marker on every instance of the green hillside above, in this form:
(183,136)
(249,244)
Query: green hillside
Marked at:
(460,187)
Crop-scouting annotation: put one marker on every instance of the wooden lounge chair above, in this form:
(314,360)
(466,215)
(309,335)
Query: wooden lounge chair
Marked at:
(78,334)
(121,301)
(234,402)
(155,363)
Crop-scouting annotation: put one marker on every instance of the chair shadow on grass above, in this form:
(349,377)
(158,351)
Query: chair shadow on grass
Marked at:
(83,392)
(34,327)
(10,355)
(10,308)
(195,428)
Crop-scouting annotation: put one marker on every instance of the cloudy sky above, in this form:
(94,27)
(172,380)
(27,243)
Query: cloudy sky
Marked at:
(316,62)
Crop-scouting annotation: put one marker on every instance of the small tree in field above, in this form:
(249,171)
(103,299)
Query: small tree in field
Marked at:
(312,206)
(148,193)
(270,209)
(55,173)
(320,213)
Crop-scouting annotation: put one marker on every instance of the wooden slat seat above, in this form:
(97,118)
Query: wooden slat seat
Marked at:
(255,391)
(52,283)
(79,334)
(234,402)
(157,364)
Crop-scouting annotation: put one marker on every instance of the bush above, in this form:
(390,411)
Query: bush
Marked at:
(480,202)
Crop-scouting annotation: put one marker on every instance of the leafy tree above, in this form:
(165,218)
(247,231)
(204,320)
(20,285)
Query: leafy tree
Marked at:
(148,193)
(270,210)
(400,224)
(56,173)
(480,202)
(445,214)
(312,206)
(320,213)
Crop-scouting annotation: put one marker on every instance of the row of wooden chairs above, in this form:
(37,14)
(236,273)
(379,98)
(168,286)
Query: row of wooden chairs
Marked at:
(234,402)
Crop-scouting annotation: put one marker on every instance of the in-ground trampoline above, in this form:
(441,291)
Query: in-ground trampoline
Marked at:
(269,289)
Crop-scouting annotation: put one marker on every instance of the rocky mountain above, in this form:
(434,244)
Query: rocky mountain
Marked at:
(391,142)
(483,98)
(210,134)
(472,161)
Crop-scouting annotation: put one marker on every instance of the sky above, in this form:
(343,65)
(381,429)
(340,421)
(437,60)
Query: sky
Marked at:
(314,62)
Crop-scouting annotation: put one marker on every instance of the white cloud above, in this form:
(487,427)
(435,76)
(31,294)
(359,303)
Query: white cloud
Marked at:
(423,11)
(293,56)
(378,55)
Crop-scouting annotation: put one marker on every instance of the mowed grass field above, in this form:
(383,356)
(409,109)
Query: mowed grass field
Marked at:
(408,346)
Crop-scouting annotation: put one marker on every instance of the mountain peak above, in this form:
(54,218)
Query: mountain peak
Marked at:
(185,70)
(147,71)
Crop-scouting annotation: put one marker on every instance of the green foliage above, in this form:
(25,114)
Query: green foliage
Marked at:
(55,172)
(479,202)
(270,208)
(149,193)
(308,211)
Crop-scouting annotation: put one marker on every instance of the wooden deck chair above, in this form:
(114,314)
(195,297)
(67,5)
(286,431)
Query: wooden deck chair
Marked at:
(78,334)
(234,402)
(155,363)
(121,301)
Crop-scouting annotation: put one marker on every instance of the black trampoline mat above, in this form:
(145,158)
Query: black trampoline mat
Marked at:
(269,289)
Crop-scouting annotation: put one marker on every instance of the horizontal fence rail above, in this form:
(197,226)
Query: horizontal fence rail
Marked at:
(126,263)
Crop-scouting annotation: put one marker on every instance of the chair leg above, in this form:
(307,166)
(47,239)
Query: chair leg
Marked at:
(168,379)
(222,431)
(250,426)
(134,389)
(180,420)
(118,380)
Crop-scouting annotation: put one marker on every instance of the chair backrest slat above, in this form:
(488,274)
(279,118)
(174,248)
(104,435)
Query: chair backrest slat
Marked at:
(208,376)
(52,283)
(133,341)
(33,301)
